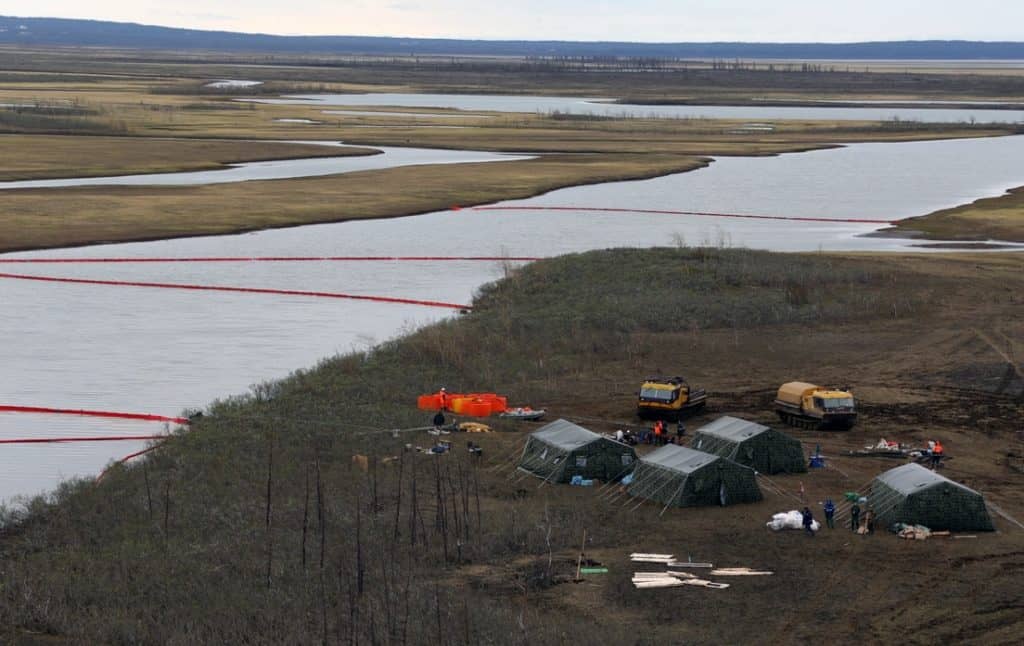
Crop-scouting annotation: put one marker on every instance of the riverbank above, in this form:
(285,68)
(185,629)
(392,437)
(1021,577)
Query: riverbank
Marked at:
(92,215)
(52,217)
(738,80)
(148,102)
(992,218)
(257,525)
(30,157)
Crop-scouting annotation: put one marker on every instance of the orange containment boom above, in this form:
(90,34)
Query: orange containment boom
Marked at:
(472,404)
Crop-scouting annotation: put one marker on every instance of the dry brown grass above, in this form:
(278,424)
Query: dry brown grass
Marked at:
(630,148)
(995,218)
(45,156)
(37,218)
(130,108)
(899,330)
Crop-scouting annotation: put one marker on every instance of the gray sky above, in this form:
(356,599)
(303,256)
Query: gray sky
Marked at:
(627,20)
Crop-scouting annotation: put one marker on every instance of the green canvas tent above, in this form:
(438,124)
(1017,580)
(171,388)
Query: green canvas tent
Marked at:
(560,450)
(761,448)
(915,495)
(678,476)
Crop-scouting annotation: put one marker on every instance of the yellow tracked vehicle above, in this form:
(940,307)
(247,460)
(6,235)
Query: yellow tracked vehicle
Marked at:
(668,398)
(808,406)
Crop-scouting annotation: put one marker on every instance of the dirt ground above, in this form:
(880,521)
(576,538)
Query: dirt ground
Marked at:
(958,380)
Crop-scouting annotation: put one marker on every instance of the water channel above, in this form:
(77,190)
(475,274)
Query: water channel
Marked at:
(162,351)
(389,157)
(604,107)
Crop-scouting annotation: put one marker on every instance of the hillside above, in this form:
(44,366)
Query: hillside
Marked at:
(95,33)
(257,526)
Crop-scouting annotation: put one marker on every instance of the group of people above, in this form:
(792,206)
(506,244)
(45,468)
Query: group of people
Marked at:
(859,523)
(658,435)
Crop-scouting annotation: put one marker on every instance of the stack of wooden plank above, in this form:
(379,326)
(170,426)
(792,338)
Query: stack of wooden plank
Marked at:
(686,565)
(674,578)
(644,580)
(739,571)
(642,557)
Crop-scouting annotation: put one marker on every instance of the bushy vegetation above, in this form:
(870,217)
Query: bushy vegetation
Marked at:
(57,119)
(257,526)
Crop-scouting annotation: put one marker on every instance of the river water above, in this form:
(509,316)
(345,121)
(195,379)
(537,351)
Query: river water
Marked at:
(389,157)
(161,351)
(603,107)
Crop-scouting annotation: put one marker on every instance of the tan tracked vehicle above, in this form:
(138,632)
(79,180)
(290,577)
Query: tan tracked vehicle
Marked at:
(808,406)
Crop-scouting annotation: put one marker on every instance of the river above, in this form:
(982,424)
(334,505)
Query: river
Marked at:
(162,351)
(389,157)
(604,107)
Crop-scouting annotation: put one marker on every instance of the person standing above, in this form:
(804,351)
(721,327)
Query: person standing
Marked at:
(808,519)
(659,432)
(680,431)
(855,517)
(830,511)
(937,455)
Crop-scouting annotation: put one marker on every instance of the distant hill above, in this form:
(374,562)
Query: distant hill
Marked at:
(68,32)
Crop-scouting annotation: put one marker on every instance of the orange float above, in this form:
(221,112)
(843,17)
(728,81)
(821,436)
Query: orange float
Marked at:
(478,408)
(472,404)
(459,404)
(499,404)
(428,402)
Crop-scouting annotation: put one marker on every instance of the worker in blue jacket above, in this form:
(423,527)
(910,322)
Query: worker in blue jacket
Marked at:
(830,511)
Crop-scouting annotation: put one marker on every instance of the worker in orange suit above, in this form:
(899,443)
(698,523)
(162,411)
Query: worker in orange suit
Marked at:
(937,454)
(442,398)
(659,432)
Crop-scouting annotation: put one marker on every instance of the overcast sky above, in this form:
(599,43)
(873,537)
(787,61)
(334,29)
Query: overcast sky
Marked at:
(626,20)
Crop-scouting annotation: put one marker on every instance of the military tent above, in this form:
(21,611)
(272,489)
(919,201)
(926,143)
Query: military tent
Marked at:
(560,450)
(763,449)
(676,475)
(915,495)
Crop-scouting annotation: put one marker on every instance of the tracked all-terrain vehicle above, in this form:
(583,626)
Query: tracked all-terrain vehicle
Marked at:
(668,398)
(808,406)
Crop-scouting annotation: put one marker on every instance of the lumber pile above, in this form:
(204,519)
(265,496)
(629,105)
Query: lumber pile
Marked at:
(739,571)
(680,565)
(646,580)
(641,557)
(673,578)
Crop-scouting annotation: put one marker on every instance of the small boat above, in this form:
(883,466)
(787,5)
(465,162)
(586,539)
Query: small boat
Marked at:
(523,413)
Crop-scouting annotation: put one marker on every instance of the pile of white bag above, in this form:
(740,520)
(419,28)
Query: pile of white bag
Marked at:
(790,520)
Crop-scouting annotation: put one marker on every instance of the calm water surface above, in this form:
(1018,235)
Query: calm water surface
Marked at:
(389,157)
(603,107)
(161,351)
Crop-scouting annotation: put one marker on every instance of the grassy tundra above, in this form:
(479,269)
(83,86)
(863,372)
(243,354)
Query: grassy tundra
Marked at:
(112,112)
(992,218)
(257,526)
(48,156)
